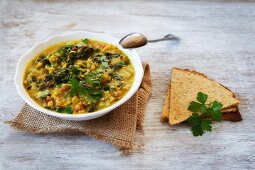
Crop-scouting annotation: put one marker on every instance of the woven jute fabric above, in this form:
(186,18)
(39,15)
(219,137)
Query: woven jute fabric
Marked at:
(117,127)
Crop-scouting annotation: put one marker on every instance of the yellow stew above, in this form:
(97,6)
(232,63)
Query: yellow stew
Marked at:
(79,76)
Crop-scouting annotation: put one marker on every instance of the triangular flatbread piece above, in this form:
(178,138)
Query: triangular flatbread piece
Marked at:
(185,85)
(229,114)
(166,108)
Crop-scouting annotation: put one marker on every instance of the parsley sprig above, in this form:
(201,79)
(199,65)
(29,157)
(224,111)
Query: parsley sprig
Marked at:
(92,94)
(201,111)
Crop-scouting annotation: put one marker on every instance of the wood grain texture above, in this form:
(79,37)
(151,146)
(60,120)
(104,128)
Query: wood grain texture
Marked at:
(217,38)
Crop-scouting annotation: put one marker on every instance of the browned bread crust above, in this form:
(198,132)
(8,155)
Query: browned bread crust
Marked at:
(232,116)
(231,113)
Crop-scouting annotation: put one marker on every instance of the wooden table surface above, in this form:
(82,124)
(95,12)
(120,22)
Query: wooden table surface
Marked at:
(217,38)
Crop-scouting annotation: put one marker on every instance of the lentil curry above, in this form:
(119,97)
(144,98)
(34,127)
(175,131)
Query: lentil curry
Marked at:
(78,76)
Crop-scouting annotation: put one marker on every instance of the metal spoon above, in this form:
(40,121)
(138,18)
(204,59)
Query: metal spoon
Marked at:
(135,40)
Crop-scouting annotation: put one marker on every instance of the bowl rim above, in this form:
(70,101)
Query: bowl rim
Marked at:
(31,53)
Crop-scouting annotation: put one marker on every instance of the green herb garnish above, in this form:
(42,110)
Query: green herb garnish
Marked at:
(90,93)
(201,111)
(68,110)
(85,40)
(104,62)
(119,65)
(44,94)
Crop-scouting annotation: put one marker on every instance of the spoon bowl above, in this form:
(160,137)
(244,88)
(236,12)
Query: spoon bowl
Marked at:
(135,40)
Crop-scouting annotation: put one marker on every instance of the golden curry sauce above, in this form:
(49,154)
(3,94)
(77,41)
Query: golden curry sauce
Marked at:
(79,76)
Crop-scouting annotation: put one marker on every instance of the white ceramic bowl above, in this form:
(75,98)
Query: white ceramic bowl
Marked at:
(39,47)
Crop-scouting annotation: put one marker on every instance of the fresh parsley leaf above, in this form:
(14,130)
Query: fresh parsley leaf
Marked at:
(95,92)
(68,110)
(85,40)
(194,106)
(199,126)
(206,125)
(216,106)
(216,116)
(90,94)
(93,80)
(194,120)
(119,65)
(74,87)
(197,131)
(201,97)
(94,98)
(201,110)
(208,112)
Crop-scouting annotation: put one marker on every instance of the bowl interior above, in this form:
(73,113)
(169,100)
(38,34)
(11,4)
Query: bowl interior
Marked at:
(39,47)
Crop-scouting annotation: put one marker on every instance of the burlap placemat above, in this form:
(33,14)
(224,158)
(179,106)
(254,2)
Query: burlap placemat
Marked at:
(117,127)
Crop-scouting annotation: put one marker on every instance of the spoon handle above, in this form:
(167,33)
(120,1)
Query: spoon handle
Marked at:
(165,38)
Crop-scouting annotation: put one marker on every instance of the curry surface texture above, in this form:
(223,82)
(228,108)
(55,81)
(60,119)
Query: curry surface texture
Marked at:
(78,76)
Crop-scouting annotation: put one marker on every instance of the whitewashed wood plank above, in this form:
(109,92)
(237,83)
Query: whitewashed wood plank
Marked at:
(217,38)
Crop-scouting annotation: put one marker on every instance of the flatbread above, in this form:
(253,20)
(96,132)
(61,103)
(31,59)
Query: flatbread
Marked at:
(229,114)
(185,85)
(230,109)
(166,107)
